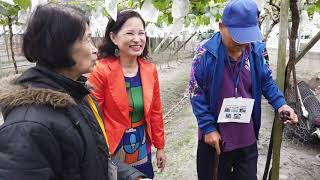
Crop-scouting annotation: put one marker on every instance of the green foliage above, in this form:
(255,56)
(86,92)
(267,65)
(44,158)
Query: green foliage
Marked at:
(314,8)
(162,5)
(199,10)
(202,20)
(165,18)
(199,7)
(9,13)
(87,6)
(23,4)
(131,4)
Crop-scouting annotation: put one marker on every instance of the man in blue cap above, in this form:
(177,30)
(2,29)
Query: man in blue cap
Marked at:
(229,74)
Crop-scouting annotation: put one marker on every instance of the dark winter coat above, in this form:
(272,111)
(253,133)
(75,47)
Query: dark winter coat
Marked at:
(50,132)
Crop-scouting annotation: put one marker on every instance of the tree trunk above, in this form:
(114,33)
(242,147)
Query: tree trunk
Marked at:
(11,44)
(292,53)
(277,138)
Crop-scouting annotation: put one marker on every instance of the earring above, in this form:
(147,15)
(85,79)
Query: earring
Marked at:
(116,52)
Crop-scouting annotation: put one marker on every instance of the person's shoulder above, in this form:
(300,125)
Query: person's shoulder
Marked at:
(104,65)
(30,117)
(36,124)
(45,115)
(258,47)
(199,54)
(211,44)
(200,50)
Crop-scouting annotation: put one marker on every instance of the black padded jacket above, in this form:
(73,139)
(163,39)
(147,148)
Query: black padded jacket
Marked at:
(49,131)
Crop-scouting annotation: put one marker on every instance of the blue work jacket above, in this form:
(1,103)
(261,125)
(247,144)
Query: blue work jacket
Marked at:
(207,74)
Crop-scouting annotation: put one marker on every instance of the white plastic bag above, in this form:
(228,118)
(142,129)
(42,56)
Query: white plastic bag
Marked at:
(98,22)
(152,30)
(180,8)
(149,12)
(177,26)
(8,2)
(35,3)
(111,6)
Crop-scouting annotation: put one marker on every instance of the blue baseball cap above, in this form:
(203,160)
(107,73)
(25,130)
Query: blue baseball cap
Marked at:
(242,21)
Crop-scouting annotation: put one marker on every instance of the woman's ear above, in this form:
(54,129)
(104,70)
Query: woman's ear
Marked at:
(113,37)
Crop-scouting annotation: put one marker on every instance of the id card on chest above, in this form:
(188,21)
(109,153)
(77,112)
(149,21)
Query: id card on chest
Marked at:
(237,110)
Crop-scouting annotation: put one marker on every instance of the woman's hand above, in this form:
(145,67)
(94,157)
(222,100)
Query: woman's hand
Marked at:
(161,159)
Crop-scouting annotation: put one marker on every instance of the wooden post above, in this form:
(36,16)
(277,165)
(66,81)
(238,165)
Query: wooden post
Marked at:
(184,43)
(281,64)
(305,49)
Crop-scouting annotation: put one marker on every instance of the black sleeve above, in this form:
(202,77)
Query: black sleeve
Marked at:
(28,151)
(126,172)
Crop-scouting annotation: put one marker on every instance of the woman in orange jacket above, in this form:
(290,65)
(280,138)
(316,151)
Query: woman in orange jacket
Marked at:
(126,87)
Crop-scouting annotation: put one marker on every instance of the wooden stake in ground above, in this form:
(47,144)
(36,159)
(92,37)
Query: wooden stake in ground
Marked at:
(281,64)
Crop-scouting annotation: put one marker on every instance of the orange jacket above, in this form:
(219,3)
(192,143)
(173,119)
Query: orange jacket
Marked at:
(109,89)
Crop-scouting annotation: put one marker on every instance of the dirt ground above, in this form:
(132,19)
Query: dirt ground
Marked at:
(298,162)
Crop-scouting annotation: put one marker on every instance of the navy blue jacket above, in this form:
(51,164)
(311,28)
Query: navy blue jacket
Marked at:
(207,74)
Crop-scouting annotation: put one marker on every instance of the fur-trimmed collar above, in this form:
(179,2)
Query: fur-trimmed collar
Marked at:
(12,95)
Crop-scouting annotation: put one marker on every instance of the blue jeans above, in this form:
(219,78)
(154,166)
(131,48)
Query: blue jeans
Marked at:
(239,164)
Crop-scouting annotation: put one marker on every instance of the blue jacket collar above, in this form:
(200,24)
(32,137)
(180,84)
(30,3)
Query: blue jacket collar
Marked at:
(213,44)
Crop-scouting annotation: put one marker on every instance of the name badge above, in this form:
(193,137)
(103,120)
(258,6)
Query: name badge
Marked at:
(236,110)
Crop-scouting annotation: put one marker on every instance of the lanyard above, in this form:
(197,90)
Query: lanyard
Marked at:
(98,118)
(237,78)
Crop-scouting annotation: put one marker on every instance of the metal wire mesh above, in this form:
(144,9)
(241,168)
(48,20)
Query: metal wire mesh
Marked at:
(303,131)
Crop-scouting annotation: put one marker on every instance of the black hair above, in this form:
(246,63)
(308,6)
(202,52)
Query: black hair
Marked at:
(51,31)
(107,47)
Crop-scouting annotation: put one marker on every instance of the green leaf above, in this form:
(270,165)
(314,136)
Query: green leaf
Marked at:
(198,21)
(165,18)
(312,9)
(218,17)
(161,4)
(130,4)
(24,4)
(4,21)
(13,10)
(105,12)
(206,20)
(73,3)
